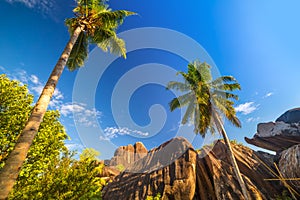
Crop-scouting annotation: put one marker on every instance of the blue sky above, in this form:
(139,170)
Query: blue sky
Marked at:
(255,41)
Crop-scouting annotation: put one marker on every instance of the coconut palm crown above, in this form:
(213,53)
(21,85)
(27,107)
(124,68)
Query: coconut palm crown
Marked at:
(204,96)
(99,24)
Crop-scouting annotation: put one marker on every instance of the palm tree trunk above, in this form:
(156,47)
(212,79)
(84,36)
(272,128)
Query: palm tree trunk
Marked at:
(13,164)
(231,156)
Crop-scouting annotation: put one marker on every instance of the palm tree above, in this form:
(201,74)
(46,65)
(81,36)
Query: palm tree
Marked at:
(206,100)
(93,23)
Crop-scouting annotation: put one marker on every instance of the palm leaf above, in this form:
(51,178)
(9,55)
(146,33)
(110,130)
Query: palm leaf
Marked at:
(113,44)
(79,52)
(178,86)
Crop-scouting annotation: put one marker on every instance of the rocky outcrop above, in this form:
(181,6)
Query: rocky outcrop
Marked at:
(290,116)
(176,171)
(283,137)
(109,173)
(289,165)
(276,136)
(126,155)
(216,179)
(169,170)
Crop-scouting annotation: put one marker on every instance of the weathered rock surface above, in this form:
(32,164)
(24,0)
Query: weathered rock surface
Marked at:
(169,170)
(290,116)
(109,173)
(126,155)
(216,178)
(283,136)
(276,136)
(176,172)
(289,165)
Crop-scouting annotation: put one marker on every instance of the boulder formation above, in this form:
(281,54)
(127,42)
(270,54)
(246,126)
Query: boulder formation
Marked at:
(208,175)
(169,170)
(283,137)
(126,155)
(176,171)
(279,135)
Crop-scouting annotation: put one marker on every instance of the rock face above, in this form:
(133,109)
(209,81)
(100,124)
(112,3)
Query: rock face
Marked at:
(176,172)
(155,174)
(289,165)
(283,136)
(216,178)
(126,155)
(276,136)
(290,116)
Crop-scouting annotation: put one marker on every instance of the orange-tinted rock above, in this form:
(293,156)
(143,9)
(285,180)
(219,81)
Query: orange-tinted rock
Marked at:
(126,155)
(169,170)
(216,178)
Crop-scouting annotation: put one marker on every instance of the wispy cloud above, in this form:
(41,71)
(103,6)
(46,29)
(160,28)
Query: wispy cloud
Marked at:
(246,108)
(45,6)
(34,79)
(86,115)
(268,95)
(74,147)
(113,132)
(253,119)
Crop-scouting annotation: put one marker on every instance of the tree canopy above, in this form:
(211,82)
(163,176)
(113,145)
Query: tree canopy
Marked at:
(49,171)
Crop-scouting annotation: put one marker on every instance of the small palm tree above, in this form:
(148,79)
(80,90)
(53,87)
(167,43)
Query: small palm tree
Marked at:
(206,100)
(93,23)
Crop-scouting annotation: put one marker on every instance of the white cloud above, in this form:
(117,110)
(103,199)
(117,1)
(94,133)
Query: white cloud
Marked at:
(113,132)
(43,5)
(246,108)
(253,119)
(37,89)
(34,79)
(74,147)
(268,95)
(87,116)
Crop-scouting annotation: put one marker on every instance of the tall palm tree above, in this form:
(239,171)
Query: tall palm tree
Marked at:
(93,23)
(206,100)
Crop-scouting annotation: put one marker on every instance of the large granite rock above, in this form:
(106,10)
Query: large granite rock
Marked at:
(169,170)
(276,136)
(216,178)
(289,165)
(290,116)
(176,172)
(126,155)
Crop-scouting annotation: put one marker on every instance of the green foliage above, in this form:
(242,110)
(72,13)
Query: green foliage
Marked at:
(49,171)
(284,196)
(99,26)
(14,111)
(120,167)
(157,197)
(65,178)
(205,98)
(89,154)
(236,142)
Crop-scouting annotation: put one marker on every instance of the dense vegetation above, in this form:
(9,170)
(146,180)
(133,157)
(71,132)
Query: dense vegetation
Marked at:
(49,171)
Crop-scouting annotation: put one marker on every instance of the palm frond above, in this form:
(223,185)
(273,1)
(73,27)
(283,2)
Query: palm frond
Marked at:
(189,113)
(174,104)
(113,19)
(228,86)
(113,44)
(79,53)
(178,86)
(223,79)
(225,94)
